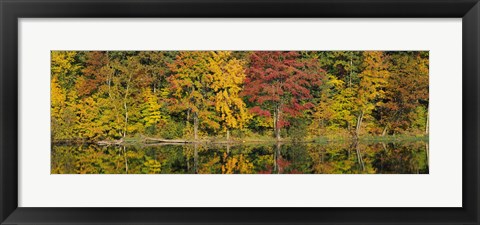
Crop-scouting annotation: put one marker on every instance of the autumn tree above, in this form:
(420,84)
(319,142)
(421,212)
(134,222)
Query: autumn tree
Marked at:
(96,107)
(344,65)
(228,77)
(154,112)
(406,95)
(65,68)
(129,79)
(279,83)
(190,89)
(57,109)
(372,85)
(96,72)
(335,110)
(156,64)
(151,114)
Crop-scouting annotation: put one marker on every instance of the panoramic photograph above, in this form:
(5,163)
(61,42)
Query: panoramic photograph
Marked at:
(239,112)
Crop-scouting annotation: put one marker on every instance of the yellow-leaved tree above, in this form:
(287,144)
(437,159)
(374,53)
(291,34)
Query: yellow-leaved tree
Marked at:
(206,85)
(64,70)
(373,80)
(228,77)
(189,89)
(150,109)
(65,67)
(57,106)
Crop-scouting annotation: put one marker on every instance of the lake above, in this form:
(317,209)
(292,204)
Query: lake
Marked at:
(252,158)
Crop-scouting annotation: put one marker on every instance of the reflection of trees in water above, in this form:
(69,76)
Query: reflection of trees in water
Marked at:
(126,159)
(281,158)
(394,158)
(62,161)
(359,155)
(404,158)
(332,158)
(91,159)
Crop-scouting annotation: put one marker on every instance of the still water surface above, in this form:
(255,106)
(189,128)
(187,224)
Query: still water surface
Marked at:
(287,158)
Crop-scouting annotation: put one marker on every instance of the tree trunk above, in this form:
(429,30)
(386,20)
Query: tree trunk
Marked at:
(350,75)
(426,125)
(125,105)
(384,130)
(188,117)
(427,149)
(109,84)
(126,118)
(109,78)
(195,125)
(228,135)
(359,124)
(277,124)
(321,126)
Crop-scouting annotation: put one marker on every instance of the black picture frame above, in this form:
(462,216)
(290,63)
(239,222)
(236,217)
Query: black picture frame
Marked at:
(11,11)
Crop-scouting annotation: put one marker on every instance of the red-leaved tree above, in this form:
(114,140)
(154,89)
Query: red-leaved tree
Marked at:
(280,83)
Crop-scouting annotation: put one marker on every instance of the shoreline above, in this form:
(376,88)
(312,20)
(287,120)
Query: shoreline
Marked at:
(150,141)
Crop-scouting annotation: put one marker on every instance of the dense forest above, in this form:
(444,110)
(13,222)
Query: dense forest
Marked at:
(238,95)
